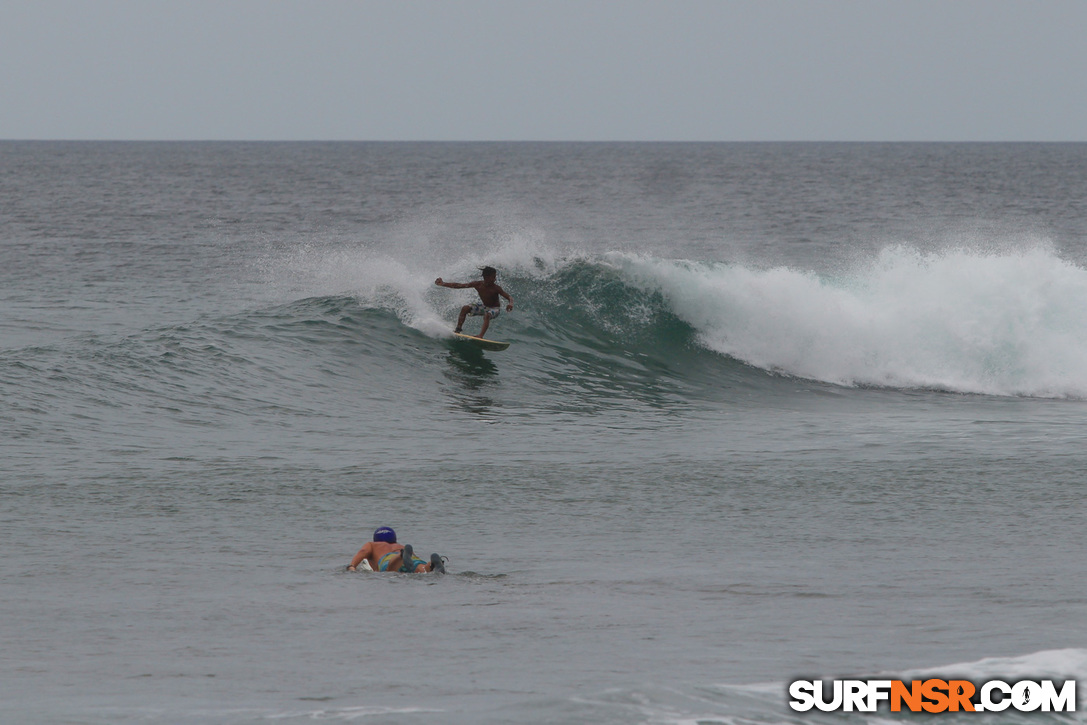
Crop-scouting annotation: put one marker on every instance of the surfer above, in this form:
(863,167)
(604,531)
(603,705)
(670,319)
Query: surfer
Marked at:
(384,554)
(489,306)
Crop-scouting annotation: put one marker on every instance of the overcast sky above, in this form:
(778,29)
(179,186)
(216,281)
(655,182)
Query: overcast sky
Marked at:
(741,70)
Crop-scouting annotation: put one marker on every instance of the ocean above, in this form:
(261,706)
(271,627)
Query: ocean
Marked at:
(770,412)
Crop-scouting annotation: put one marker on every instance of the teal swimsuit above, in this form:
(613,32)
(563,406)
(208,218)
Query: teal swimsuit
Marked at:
(415,562)
(383,564)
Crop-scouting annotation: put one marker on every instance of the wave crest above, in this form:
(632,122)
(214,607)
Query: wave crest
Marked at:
(1012,323)
(1004,322)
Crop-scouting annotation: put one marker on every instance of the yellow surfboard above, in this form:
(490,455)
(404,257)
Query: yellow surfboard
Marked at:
(494,345)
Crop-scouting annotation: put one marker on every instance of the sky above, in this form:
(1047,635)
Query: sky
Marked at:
(535,70)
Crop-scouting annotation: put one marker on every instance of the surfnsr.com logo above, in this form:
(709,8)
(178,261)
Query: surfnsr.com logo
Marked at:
(932,695)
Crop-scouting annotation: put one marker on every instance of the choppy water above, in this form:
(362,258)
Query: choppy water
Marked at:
(770,411)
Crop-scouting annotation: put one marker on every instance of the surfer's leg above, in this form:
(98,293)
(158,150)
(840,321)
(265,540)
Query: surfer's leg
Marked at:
(436,563)
(486,323)
(411,564)
(406,556)
(460,320)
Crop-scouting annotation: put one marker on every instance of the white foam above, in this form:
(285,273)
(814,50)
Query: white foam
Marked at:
(1006,323)
(1056,663)
(403,282)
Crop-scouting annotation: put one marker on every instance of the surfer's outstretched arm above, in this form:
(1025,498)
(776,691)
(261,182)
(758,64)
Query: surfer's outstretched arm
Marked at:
(455,285)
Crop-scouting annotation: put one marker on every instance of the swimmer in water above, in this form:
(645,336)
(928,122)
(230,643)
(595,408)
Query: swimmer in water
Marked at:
(384,554)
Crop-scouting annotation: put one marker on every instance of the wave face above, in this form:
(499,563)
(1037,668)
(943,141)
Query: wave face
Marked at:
(1009,323)
(964,321)
(619,327)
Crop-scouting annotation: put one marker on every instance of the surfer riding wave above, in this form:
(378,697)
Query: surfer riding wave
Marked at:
(489,307)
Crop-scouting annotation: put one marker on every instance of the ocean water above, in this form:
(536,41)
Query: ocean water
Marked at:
(771,411)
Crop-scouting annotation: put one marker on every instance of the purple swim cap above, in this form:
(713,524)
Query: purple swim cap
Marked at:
(385,534)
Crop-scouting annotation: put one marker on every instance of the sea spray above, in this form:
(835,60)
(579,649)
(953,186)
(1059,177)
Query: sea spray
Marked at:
(958,320)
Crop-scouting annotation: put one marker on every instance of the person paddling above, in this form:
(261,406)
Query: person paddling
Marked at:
(384,554)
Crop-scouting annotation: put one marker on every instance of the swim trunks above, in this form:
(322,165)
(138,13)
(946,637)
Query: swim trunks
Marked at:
(385,561)
(410,569)
(478,310)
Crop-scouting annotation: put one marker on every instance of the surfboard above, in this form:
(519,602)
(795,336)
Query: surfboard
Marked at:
(494,345)
(364,565)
